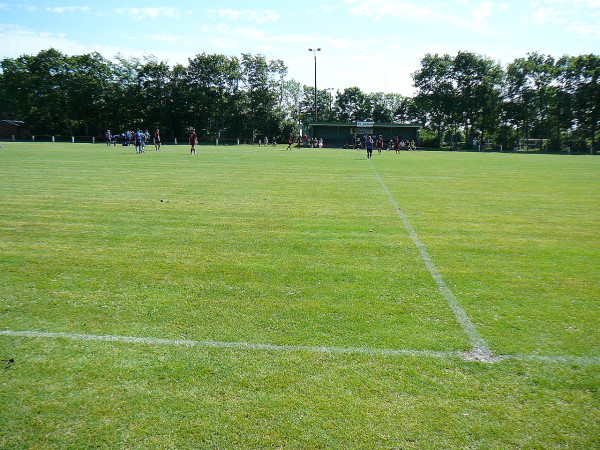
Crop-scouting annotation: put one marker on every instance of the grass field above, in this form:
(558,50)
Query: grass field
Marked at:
(255,297)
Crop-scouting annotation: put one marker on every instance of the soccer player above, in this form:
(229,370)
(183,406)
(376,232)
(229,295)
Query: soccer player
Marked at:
(108,137)
(157,140)
(193,141)
(139,141)
(369,144)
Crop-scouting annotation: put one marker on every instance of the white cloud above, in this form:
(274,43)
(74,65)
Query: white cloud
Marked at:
(150,13)
(225,13)
(588,31)
(580,3)
(251,33)
(482,11)
(225,43)
(18,40)
(379,9)
(323,9)
(68,9)
(163,37)
(542,16)
(260,17)
(575,16)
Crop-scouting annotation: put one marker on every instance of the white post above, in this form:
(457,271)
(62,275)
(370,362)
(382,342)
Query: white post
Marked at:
(53,139)
(238,142)
(73,139)
(216,142)
(32,138)
(175,141)
(93,139)
(500,148)
(13,137)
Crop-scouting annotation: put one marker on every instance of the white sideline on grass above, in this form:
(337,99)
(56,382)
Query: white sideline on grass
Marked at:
(481,349)
(229,345)
(584,360)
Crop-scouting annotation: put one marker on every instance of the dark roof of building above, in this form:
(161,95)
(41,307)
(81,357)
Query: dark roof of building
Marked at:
(375,125)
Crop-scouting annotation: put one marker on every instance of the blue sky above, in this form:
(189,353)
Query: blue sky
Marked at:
(372,44)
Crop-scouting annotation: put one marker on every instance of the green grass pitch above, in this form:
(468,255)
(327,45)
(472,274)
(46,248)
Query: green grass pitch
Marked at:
(257,297)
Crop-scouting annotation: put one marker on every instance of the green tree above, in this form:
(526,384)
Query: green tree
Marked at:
(436,92)
(180,117)
(261,83)
(353,105)
(88,86)
(291,104)
(407,111)
(581,80)
(529,94)
(16,99)
(153,77)
(214,81)
(384,106)
(478,82)
(126,94)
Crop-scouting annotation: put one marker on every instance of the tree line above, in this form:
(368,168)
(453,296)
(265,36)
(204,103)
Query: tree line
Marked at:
(458,98)
(536,97)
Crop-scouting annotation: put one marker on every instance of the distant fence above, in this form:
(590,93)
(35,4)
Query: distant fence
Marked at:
(330,144)
(102,140)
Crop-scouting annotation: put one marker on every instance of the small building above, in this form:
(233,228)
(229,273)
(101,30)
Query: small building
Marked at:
(343,134)
(11,129)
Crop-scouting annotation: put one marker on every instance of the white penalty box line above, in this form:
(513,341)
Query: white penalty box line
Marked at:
(480,347)
(247,346)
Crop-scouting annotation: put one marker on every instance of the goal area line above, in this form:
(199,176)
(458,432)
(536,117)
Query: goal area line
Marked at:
(249,346)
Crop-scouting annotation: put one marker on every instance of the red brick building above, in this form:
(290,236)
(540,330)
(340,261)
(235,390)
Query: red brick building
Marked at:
(10,128)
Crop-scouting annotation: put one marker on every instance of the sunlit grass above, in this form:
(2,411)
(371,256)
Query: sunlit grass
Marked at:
(301,248)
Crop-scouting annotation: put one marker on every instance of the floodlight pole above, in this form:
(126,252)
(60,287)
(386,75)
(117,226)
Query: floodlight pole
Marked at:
(315,50)
(330,101)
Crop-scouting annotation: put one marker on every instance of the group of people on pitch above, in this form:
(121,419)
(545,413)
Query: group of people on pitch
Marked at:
(370,143)
(138,138)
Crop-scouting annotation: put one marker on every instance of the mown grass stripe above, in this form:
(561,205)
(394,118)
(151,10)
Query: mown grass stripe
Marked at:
(480,346)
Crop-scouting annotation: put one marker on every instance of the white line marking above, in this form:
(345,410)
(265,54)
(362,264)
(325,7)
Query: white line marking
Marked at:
(229,345)
(480,347)
(584,360)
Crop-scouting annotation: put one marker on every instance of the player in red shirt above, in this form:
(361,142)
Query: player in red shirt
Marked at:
(193,142)
(157,140)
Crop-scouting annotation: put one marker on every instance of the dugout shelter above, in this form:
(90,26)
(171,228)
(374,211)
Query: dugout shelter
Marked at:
(341,134)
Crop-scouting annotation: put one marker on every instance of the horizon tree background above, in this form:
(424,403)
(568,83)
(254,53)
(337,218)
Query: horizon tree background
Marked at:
(459,98)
